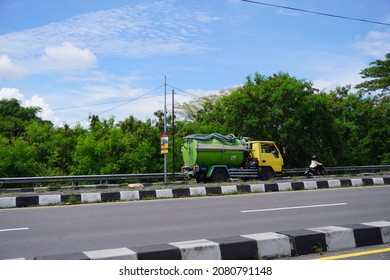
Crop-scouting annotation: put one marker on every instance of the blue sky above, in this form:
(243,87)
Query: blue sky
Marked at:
(69,56)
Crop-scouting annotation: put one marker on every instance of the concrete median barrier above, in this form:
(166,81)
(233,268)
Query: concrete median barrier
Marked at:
(267,245)
(143,194)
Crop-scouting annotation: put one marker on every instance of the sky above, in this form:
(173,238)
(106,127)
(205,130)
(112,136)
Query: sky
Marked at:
(76,58)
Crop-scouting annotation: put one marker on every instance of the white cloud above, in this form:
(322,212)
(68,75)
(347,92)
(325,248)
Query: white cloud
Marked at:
(9,70)
(58,58)
(105,92)
(327,70)
(204,17)
(66,57)
(46,113)
(340,70)
(340,74)
(343,78)
(375,44)
(333,70)
(15,5)
(10,93)
(374,35)
(156,28)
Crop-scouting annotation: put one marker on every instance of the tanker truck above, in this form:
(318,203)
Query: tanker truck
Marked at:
(217,158)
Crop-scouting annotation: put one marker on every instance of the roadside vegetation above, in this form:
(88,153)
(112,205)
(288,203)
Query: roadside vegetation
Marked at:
(344,126)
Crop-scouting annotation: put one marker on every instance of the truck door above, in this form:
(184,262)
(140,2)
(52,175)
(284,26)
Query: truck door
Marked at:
(270,156)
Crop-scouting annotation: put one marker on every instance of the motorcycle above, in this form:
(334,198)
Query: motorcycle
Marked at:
(317,170)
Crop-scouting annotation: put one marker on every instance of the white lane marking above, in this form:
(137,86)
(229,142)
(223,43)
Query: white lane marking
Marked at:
(294,207)
(13,229)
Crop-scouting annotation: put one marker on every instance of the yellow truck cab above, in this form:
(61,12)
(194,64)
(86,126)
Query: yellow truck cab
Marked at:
(270,160)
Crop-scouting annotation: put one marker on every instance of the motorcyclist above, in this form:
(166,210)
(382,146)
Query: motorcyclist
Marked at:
(314,163)
(315,167)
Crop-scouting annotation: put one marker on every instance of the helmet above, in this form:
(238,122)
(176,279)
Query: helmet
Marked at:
(314,157)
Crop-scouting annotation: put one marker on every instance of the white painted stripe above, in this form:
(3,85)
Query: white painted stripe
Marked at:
(112,254)
(378,181)
(13,229)
(285,186)
(228,189)
(357,182)
(337,238)
(310,185)
(271,244)
(257,188)
(164,193)
(7,202)
(198,191)
(49,199)
(294,207)
(90,197)
(201,249)
(334,183)
(129,195)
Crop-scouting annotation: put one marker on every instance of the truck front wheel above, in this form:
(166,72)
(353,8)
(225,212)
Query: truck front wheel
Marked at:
(219,175)
(266,173)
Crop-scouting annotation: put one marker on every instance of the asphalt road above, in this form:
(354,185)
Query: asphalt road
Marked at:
(53,230)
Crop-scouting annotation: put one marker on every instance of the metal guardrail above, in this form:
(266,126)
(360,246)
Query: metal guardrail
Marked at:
(84,178)
(341,169)
(121,177)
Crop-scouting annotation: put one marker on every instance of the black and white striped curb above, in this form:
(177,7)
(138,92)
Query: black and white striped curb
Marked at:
(267,245)
(53,199)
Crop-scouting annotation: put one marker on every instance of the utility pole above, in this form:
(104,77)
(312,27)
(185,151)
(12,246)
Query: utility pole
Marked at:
(165,126)
(173,133)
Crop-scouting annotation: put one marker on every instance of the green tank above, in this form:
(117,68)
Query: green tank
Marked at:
(214,149)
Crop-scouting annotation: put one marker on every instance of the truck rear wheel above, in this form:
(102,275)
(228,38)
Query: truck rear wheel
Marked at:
(201,178)
(266,173)
(219,175)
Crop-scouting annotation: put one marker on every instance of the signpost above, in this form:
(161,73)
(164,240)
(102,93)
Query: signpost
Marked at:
(165,129)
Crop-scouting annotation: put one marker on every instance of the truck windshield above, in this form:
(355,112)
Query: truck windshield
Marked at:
(269,148)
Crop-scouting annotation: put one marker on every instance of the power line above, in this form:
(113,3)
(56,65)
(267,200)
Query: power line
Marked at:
(128,101)
(97,104)
(316,13)
(186,92)
(81,106)
(122,104)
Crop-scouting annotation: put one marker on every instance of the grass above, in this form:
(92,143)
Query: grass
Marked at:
(317,249)
(72,200)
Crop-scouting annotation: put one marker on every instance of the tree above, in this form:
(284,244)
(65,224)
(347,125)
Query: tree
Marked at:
(18,159)
(14,118)
(341,127)
(281,108)
(374,121)
(379,75)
